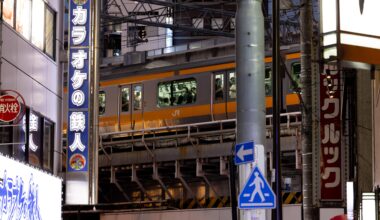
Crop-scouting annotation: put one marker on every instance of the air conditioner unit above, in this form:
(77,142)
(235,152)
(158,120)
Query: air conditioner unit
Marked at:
(131,58)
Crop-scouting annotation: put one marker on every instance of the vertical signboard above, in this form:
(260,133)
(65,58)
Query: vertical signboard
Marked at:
(78,83)
(331,133)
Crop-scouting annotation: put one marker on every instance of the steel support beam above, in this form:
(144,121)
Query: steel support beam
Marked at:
(156,176)
(223,166)
(200,173)
(137,181)
(178,175)
(177,153)
(120,20)
(124,14)
(166,154)
(113,180)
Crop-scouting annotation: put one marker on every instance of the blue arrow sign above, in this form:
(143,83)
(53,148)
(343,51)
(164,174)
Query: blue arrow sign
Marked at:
(257,194)
(244,153)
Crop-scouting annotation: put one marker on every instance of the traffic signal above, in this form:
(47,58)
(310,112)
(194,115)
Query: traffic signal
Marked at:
(142,33)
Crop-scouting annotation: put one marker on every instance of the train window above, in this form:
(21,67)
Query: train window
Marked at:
(125,99)
(219,87)
(268,81)
(137,97)
(102,102)
(232,85)
(164,94)
(296,77)
(178,92)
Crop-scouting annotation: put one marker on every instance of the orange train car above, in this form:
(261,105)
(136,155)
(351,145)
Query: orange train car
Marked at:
(181,94)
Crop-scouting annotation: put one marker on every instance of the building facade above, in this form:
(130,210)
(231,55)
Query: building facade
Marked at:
(31,36)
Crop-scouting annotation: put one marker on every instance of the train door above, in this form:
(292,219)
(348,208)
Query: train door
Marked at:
(219,97)
(231,94)
(131,108)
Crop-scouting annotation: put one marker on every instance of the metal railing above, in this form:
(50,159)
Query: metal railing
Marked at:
(173,136)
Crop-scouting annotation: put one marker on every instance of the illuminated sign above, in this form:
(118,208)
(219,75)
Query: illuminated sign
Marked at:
(27,193)
(78,80)
(357,25)
(10,108)
(331,133)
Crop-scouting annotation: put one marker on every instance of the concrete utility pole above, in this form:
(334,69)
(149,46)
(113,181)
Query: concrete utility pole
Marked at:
(307,123)
(250,86)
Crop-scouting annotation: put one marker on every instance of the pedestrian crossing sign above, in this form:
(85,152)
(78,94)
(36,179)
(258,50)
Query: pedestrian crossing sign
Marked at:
(257,193)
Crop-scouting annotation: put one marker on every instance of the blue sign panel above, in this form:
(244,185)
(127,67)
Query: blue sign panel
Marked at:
(78,79)
(257,193)
(80,23)
(78,86)
(244,153)
(77,141)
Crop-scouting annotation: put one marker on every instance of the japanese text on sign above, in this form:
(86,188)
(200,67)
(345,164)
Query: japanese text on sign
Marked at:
(78,85)
(330,124)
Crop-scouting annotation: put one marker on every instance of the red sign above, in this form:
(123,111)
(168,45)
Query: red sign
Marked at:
(331,133)
(9,108)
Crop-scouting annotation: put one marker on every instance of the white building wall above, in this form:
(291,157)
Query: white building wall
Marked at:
(34,75)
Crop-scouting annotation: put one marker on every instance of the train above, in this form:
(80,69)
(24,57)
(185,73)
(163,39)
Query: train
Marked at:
(194,92)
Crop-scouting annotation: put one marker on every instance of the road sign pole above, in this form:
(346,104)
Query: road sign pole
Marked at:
(250,87)
(276,84)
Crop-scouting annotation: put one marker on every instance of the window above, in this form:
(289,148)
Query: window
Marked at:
(33,15)
(268,81)
(30,140)
(232,85)
(19,137)
(295,84)
(179,92)
(8,11)
(24,18)
(125,99)
(233,24)
(102,102)
(219,87)
(48,145)
(137,97)
(216,23)
(5,139)
(198,22)
(38,14)
(49,32)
